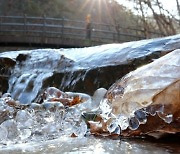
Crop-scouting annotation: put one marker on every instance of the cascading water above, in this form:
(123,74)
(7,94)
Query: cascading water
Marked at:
(27,86)
(36,68)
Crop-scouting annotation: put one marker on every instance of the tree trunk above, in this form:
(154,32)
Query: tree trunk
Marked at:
(178,8)
(164,22)
(145,25)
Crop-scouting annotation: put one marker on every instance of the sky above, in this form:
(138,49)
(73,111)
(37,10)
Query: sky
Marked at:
(170,5)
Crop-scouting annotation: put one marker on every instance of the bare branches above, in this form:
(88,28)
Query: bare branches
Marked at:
(178,8)
(165,21)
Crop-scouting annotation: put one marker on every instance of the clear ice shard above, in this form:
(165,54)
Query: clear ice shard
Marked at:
(123,122)
(140,115)
(133,123)
(12,129)
(3,133)
(24,119)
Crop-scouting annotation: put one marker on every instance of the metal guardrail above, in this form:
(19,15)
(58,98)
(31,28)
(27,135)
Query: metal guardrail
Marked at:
(62,30)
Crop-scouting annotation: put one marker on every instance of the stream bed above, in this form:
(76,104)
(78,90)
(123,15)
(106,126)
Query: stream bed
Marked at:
(90,145)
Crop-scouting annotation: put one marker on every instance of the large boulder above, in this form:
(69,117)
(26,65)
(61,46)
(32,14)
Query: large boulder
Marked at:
(81,69)
(145,101)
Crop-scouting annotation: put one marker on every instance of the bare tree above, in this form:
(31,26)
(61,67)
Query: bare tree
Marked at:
(163,18)
(143,18)
(178,8)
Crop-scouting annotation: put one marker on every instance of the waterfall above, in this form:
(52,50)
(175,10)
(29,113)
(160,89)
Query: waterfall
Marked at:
(26,80)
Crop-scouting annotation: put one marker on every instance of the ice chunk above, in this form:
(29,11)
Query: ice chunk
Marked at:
(133,123)
(50,130)
(73,124)
(141,116)
(123,121)
(5,95)
(10,111)
(113,127)
(105,108)
(98,96)
(25,133)
(53,92)
(24,119)
(36,106)
(80,128)
(153,109)
(3,133)
(168,118)
(11,127)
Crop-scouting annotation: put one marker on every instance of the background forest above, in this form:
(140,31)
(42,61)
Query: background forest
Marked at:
(102,11)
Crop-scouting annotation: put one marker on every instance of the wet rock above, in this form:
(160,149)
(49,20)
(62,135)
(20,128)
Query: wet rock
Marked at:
(150,98)
(6,64)
(3,84)
(82,69)
(21,57)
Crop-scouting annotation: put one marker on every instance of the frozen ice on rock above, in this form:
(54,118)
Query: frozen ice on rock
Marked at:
(10,111)
(106,109)
(48,105)
(50,130)
(49,117)
(48,120)
(2,108)
(123,121)
(25,133)
(141,116)
(3,133)
(52,105)
(53,92)
(85,102)
(72,115)
(168,118)
(73,124)
(2,103)
(98,96)
(36,106)
(41,118)
(89,103)
(80,128)
(113,127)
(6,95)
(59,115)
(12,129)
(47,124)
(24,119)
(133,123)
(76,127)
